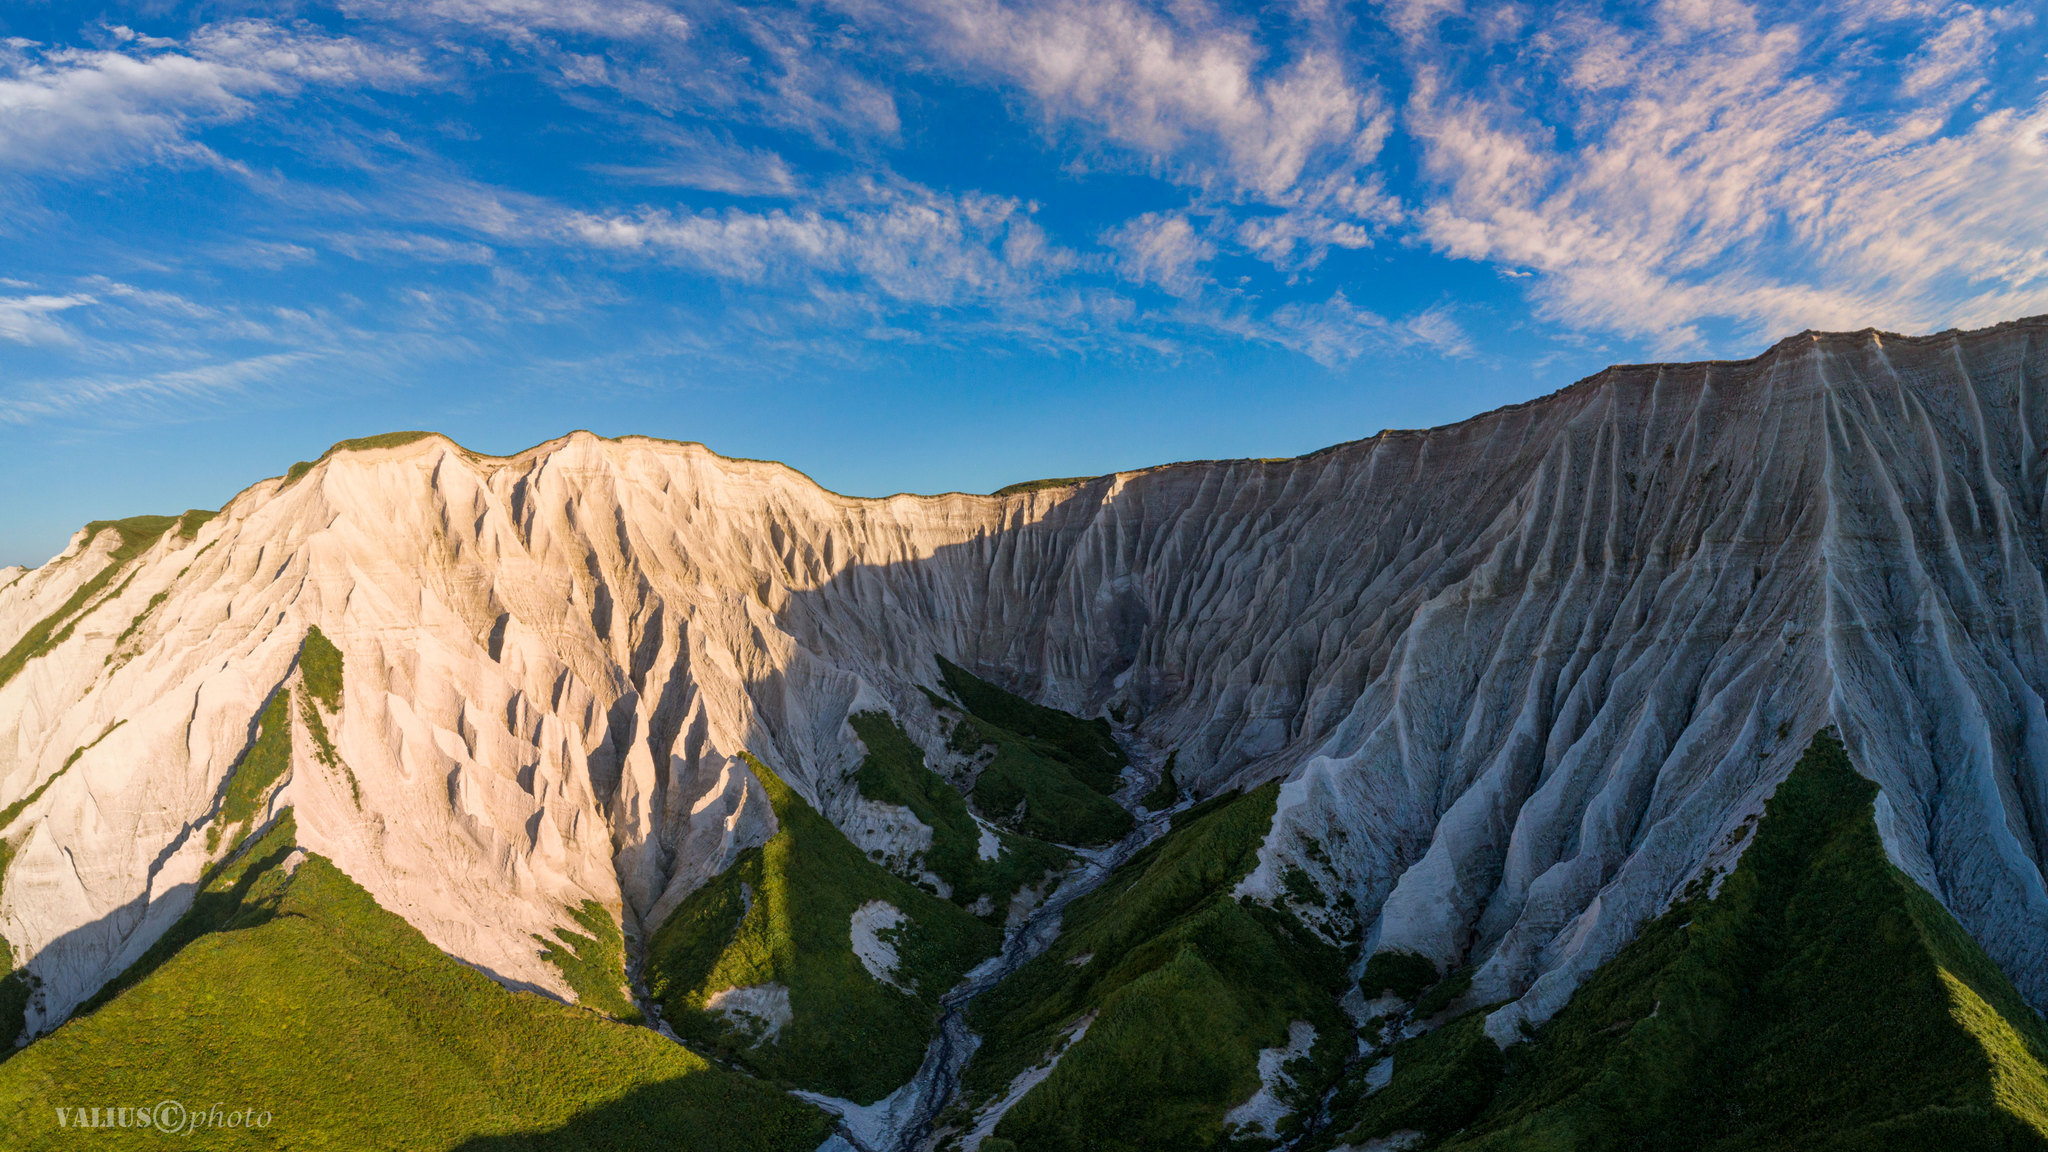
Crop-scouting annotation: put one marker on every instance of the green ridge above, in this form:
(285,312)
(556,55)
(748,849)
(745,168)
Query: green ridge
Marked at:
(1185,986)
(1052,772)
(1022,487)
(593,961)
(1167,792)
(294,993)
(894,772)
(360,444)
(320,666)
(782,915)
(137,533)
(1087,746)
(259,767)
(1821,1000)
(193,520)
(320,671)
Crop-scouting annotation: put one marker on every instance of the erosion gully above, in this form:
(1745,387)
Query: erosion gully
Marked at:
(905,1120)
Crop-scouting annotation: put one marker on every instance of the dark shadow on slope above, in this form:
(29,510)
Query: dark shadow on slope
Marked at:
(664,1117)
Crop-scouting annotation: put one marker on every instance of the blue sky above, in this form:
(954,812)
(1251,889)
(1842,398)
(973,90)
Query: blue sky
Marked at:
(937,244)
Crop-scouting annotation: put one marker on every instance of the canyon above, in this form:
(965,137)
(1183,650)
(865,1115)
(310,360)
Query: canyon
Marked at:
(1520,681)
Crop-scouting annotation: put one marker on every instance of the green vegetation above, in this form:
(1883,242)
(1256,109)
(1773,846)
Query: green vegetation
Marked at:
(320,672)
(782,915)
(137,533)
(1040,485)
(291,991)
(259,767)
(359,444)
(1088,747)
(323,747)
(593,964)
(1441,994)
(894,772)
(320,665)
(1052,772)
(1821,1000)
(135,625)
(1442,1080)
(15,990)
(192,521)
(1166,793)
(1185,986)
(1033,794)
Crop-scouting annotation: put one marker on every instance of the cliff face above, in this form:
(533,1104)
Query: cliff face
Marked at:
(1524,676)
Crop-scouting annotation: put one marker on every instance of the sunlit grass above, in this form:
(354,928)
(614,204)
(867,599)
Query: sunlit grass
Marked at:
(295,994)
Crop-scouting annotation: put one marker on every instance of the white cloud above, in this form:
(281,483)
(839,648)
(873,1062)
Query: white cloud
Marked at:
(1197,95)
(522,19)
(767,64)
(1335,331)
(911,246)
(77,110)
(697,158)
(1729,162)
(1162,249)
(173,390)
(27,319)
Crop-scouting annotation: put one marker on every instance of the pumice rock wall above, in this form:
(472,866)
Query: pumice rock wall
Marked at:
(1524,676)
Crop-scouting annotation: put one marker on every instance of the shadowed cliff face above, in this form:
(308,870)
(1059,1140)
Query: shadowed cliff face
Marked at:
(1524,676)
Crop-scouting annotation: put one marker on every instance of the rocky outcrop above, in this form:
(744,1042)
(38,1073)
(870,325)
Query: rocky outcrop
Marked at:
(1525,675)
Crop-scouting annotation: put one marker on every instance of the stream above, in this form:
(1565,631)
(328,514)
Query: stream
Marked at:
(903,1121)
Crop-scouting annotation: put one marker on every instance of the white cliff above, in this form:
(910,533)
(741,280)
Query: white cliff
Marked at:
(1526,675)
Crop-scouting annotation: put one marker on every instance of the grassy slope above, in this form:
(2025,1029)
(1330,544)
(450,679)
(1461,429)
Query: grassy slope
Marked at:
(137,533)
(593,961)
(1820,1001)
(1166,792)
(259,767)
(1022,487)
(1187,986)
(1052,772)
(300,996)
(894,772)
(781,915)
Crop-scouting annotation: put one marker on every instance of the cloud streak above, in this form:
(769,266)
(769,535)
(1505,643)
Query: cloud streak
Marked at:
(77,111)
(1721,168)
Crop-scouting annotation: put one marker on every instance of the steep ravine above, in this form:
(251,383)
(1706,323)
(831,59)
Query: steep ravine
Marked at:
(905,1120)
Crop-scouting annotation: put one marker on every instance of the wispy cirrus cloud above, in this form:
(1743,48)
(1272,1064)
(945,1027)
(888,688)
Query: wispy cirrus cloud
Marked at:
(1162,249)
(1194,92)
(910,245)
(1740,163)
(81,110)
(172,392)
(32,319)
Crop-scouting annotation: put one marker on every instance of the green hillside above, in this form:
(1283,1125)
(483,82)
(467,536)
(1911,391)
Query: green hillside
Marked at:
(1050,774)
(894,772)
(780,918)
(1184,985)
(290,992)
(1821,1000)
